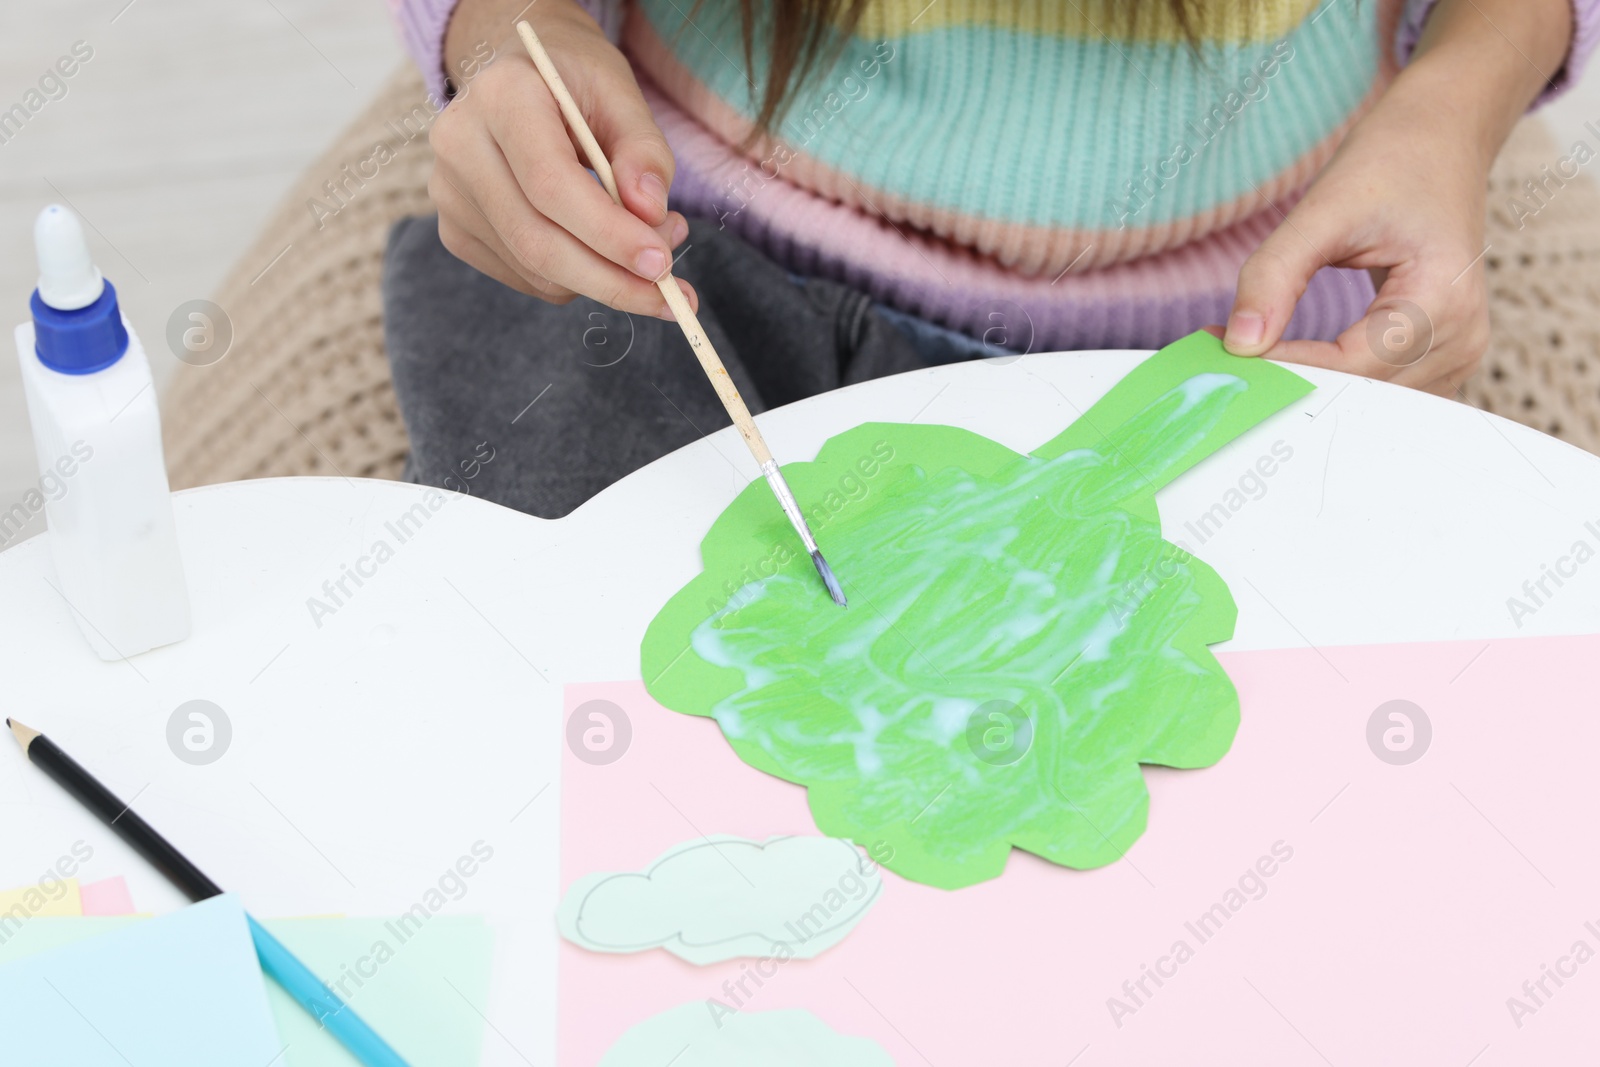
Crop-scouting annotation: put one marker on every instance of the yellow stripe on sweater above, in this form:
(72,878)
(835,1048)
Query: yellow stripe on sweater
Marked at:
(1222,21)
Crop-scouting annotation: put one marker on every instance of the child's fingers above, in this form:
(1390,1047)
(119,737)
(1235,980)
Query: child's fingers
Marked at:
(689,295)
(479,256)
(491,259)
(470,235)
(1388,343)
(1426,329)
(1335,355)
(674,229)
(1271,283)
(1401,340)
(467,235)
(537,247)
(527,126)
(635,145)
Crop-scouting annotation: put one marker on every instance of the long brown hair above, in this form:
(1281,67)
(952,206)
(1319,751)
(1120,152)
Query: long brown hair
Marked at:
(805,35)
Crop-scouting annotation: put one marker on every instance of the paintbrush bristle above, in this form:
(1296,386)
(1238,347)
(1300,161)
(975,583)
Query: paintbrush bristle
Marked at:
(834,589)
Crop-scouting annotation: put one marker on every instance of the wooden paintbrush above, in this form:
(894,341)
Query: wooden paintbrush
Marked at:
(698,341)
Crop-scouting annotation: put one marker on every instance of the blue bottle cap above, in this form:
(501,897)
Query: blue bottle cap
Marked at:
(80,341)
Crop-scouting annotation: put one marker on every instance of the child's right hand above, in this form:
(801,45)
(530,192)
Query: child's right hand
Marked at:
(514,199)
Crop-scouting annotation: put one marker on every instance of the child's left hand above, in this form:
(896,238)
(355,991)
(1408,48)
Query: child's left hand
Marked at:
(1405,198)
(1406,202)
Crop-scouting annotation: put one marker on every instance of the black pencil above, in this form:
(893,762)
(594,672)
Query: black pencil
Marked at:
(140,835)
(277,961)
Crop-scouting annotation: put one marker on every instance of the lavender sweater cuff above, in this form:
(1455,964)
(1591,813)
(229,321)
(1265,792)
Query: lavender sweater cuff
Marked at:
(422,24)
(1585,36)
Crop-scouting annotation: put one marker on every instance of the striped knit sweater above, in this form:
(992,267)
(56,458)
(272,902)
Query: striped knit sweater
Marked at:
(1039,172)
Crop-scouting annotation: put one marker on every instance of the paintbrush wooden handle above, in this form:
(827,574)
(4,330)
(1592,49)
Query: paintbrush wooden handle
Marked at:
(710,362)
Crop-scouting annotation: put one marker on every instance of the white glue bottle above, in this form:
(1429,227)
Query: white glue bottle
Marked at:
(97,431)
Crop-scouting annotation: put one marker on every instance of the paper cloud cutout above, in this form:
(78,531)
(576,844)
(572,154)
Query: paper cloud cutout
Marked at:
(693,1035)
(721,898)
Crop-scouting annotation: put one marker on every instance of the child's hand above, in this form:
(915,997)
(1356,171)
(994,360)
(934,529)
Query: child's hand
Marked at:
(1405,198)
(514,200)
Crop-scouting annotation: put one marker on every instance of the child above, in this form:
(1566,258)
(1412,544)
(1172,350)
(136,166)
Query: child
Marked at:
(876,185)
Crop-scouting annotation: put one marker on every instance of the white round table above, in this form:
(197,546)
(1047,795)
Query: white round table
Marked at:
(378,736)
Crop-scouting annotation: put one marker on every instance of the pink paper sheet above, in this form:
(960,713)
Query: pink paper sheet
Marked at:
(108,897)
(1418,899)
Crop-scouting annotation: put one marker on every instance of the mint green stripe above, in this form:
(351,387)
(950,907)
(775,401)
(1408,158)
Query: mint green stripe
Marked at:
(1045,130)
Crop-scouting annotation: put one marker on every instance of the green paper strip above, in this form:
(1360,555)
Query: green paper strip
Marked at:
(1020,637)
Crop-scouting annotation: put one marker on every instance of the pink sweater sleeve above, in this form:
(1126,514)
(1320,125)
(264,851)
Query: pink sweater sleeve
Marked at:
(422,24)
(1585,36)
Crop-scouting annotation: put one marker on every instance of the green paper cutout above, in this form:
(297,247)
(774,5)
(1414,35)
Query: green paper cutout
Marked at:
(1019,638)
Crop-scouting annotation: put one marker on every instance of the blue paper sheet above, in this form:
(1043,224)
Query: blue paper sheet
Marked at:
(184,990)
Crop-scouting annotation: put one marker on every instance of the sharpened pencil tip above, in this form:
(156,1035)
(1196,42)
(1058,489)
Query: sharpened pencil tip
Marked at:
(834,589)
(25,734)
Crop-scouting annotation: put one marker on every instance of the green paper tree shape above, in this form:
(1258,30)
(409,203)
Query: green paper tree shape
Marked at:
(1019,639)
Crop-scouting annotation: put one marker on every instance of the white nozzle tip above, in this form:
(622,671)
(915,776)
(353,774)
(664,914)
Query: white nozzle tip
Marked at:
(68,278)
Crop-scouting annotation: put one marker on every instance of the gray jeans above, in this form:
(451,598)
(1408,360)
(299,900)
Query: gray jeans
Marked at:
(539,407)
